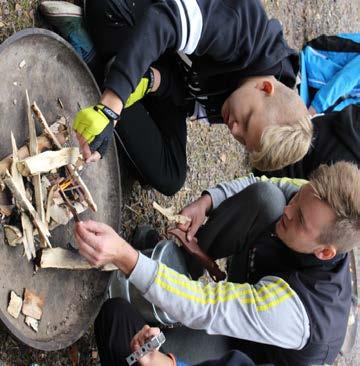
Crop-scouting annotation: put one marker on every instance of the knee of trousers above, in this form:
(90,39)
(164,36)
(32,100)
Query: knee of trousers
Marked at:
(268,198)
(169,185)
(113,310)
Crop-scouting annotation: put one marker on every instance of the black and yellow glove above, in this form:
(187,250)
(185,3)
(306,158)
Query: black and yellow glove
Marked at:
(96,125)
(144,87)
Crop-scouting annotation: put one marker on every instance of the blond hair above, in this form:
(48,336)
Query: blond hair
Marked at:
(288,136)
(338,185)
(282,145)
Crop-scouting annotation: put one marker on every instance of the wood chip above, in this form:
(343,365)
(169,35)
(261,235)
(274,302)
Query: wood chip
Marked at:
(169,213)
(15,305)
(32,323)
(13,235)
(6,210)
(32,305)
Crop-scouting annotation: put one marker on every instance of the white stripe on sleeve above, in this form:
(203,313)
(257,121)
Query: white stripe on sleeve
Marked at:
(191,17)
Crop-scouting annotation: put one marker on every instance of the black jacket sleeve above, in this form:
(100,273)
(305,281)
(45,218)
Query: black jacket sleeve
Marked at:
(225,31)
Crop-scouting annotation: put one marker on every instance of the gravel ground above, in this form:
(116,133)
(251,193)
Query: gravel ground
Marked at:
(213,155)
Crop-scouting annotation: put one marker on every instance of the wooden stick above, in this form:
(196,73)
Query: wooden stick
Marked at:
(48,160)
(71,169)
(24,204)
(170,215)
(68,259)
(45,126)
(28,238)
(36,179)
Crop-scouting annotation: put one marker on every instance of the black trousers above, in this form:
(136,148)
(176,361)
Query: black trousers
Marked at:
(115,327)
(152,132)
(117,323)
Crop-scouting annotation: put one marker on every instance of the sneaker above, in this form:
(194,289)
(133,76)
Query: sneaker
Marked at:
(145,237)
(67,21)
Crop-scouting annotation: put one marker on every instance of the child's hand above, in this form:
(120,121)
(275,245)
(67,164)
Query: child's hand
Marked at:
(140,338)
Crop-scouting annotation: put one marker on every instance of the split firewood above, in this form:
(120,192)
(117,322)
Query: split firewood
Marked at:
(43,143)
(15,305)
(32,323)
(28,238)
(25,205)
(71,168)
(32,305)
(49,203)
(169,213)
(48,160)
(68,259)
(13,235)
(36,179)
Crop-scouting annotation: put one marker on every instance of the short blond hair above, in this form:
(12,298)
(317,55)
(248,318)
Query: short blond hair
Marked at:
(282,145)
(288,136)
(338,185)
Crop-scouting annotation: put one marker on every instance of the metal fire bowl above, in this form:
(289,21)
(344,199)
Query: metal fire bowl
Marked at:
(72,298)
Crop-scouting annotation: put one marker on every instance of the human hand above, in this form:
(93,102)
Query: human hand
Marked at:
(140,338)
(197,212)
(94,127)
(100,245)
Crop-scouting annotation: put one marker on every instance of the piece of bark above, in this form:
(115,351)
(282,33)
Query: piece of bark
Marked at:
(28,238)
(36,179)
(43,143)
(32,323)
(25,205)
(32,305)
(68,259)
(15,305)
(71,168)
(48,160)
(170,214)
(13,235)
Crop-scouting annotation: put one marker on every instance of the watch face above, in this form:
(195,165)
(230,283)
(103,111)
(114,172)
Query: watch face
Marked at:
(111,114)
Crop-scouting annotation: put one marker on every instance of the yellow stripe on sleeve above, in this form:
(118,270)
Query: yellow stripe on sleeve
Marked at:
(274,293)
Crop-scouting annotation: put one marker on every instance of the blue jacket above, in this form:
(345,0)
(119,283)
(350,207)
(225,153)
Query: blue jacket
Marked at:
(331,67)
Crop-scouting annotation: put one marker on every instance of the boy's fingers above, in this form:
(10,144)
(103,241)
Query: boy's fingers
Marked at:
(95,226)
(84,247)
(87,236)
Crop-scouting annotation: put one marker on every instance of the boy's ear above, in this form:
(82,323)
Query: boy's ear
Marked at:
(267,86)
(325,253)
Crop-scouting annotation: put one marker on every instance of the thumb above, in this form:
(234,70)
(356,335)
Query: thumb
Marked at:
(192,230)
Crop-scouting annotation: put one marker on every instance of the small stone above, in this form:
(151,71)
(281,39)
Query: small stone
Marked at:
(15,83)
(15,101)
